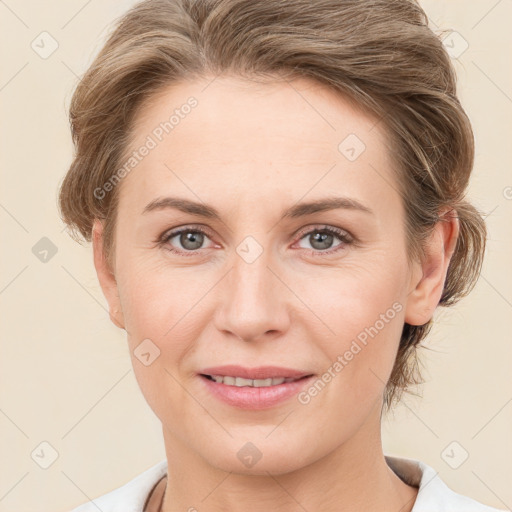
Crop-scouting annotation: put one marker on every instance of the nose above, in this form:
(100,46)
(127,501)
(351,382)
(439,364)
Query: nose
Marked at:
(254,301)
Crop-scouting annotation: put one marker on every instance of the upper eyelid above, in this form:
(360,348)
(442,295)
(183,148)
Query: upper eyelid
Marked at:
(327,227)
(171,233)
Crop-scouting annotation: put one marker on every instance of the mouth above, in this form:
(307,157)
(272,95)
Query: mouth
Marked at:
(254,388)
(253,383)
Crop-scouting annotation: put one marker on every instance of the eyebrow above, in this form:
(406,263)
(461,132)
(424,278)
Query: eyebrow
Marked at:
(295,211)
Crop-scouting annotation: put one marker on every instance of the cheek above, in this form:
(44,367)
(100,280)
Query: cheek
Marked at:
(159,318)
(362,312)
(353,312)
(150,290)
(161,303)
(353,295)
(165,306)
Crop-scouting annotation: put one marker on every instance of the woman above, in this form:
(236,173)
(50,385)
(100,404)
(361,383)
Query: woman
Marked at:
(275,192)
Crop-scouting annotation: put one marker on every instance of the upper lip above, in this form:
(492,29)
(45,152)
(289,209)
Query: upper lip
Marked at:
(261,372)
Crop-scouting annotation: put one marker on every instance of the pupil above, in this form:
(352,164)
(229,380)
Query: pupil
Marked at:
(322,238)
(191,240)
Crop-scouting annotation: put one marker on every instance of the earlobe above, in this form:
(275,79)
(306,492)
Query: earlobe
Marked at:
(106,278)
(429,277)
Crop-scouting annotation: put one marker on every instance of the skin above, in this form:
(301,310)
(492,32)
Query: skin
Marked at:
(251,151)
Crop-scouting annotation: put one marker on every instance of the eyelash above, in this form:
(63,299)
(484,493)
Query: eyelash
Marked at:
(345,238)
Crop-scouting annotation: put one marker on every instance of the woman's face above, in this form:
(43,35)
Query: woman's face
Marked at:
(258,286)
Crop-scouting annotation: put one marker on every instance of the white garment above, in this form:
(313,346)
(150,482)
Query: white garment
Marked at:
(433,494)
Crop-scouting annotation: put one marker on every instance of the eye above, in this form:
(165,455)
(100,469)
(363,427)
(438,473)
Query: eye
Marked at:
(321,240)
(190,239)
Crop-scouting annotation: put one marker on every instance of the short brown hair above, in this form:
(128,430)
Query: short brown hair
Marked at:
(380,54)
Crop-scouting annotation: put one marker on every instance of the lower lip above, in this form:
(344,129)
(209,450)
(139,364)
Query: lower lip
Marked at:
(247,397)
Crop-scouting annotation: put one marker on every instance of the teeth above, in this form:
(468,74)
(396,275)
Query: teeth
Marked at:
(258,383)
(255,383)
(239,381)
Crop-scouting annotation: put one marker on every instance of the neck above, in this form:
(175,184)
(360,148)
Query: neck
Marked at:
(353,476)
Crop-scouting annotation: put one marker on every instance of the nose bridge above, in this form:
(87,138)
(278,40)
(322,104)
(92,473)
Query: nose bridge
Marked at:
(253,299)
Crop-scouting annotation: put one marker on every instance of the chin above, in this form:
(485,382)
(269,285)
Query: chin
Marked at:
(261,456)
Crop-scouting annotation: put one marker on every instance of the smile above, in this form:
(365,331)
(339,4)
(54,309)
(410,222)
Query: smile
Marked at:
(255,383)
(254,394)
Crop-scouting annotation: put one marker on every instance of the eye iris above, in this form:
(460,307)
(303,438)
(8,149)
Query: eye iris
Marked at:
(322,238)
(191,237)
(193,240)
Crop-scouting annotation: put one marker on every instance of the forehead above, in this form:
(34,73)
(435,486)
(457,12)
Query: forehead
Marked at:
(225,136)
(285,111)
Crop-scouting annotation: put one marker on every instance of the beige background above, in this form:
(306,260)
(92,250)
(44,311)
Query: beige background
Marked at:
(65,373)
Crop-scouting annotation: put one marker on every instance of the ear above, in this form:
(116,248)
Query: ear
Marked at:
(427,291)
(105,276)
